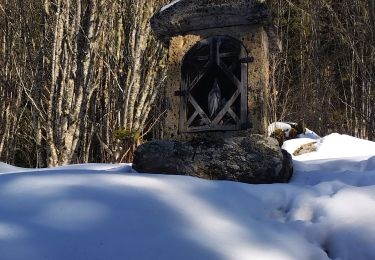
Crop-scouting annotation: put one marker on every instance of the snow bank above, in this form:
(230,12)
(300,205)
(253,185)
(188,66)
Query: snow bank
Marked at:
(101,211)
(335,153)
(72,214)
(309,134)
(6,168)
(333,146)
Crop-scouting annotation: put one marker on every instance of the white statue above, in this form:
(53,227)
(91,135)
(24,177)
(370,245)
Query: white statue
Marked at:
(214,99)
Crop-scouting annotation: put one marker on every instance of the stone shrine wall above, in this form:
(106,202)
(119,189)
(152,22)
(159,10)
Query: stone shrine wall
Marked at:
(255,40)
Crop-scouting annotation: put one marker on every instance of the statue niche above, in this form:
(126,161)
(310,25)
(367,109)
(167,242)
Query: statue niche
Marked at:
(214,86)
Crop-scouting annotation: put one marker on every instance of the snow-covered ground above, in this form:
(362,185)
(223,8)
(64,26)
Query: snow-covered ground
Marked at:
(108,212)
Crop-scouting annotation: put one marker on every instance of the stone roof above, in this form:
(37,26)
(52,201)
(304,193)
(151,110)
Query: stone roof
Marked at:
(183,16)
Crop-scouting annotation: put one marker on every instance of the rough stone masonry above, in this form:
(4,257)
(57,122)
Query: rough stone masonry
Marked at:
(244,158)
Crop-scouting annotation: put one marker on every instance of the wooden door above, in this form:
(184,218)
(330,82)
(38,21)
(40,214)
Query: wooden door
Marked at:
(214,86)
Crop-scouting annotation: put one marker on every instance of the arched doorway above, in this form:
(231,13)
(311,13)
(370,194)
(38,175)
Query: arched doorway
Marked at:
(214,86)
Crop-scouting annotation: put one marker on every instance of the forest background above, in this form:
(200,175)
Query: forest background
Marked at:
(82,80)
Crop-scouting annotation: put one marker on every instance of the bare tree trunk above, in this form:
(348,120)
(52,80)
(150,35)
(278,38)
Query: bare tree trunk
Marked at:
(75,74)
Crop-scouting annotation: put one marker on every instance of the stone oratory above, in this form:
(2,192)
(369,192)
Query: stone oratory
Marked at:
(218,73)
(216,93)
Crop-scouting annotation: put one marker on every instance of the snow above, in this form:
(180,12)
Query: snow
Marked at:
(5,168)
(279,125)
(105,211)
(335,146)
(309,134)
(169,5)
(287,126)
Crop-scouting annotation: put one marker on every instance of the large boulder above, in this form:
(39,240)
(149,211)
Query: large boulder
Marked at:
(250,159)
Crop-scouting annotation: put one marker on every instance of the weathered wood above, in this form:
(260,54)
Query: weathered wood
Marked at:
(199,129)
(226,107)
(230,75)
(192,118)
(199,76)
(198,108)
(244,90)
(240,85)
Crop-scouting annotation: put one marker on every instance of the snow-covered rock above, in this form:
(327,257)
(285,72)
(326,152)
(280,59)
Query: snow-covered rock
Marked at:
(279,125)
